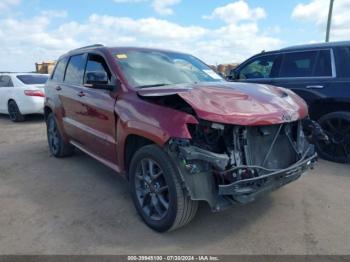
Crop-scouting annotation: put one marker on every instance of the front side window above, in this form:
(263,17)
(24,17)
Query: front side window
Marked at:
(156,68)
(58,74)
(5,81)
(96,70)
(298,64)
(261,67)
(75,70)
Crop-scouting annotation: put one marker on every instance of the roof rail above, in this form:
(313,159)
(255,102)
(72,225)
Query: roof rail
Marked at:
(88,46)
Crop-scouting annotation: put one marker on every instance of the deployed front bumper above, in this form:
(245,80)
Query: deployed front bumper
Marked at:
(244,191)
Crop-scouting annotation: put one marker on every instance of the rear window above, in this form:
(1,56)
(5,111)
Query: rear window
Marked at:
(342,55)
(324,64)
(33,79)
(58,74)
(298,64)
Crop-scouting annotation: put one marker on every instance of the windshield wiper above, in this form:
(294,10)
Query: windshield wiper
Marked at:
(154,85)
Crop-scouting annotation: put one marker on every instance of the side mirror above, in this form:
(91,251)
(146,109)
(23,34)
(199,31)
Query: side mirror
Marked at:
(97,80)
(232,76)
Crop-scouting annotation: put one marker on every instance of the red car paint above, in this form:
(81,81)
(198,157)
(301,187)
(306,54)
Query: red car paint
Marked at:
(238,103)
(100,121)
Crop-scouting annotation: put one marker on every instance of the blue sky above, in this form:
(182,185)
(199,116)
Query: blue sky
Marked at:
(217,31)
(188,12)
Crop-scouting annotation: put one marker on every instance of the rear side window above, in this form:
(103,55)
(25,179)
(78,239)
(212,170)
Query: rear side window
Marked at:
(298,64)
(58,74)
(261,67)
(323,65)
(5,81)
(75,70)
(342,55)
(32,79)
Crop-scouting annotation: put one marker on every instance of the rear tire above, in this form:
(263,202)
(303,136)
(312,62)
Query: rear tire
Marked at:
(337,126)
(156,190)
(58,147)
(14,112)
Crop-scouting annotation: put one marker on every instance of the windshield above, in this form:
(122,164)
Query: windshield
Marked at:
(157,68)
(33,79)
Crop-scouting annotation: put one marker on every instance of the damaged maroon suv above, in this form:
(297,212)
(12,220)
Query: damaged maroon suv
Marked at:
(176,129)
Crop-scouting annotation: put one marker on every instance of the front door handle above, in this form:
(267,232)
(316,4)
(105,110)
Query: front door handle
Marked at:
(81,94)
(315,87)
(58,88)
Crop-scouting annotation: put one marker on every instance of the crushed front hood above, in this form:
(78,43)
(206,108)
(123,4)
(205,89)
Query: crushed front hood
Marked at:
(237,103)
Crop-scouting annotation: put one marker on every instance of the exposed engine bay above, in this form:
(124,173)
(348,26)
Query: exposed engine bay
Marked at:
(247,140)
(245,160)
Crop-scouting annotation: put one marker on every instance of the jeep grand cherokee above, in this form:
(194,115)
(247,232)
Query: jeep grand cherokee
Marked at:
(176,129)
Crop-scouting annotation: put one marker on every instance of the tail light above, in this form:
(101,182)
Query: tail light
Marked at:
(34,93)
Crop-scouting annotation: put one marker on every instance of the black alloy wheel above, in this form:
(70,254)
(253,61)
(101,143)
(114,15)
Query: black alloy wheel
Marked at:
(151,189)
(14,112)
(337,126)
(58,147)
(157,191)
(53,136)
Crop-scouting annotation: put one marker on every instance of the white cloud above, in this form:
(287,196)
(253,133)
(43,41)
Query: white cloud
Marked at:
(6,4)
(40,38)
(237,11)
(55,13)
(162,7)
(316,11)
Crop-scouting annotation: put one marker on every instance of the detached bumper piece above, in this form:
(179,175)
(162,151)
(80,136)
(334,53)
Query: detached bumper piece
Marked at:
(247,190)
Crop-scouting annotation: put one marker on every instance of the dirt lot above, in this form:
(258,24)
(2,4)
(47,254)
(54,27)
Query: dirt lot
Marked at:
(76,205)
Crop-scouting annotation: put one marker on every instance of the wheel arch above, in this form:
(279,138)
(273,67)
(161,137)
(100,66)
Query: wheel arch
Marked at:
(47,111)
(133,143)
(323,107)
(11,99)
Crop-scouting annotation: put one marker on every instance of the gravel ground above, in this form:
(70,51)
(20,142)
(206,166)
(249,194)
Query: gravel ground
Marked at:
(78,206)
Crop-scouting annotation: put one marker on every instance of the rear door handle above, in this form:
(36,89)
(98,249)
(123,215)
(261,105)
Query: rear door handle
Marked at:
(58,88)
(315,87)
(81,94)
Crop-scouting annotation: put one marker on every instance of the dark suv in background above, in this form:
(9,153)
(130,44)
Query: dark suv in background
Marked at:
(319,73)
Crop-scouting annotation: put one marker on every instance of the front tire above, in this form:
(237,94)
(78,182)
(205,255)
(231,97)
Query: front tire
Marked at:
(58,147)
(14,112)
(337,126)
(156,190)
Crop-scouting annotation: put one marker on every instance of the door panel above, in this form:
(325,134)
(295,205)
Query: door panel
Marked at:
(310,89)
(95,117)
(72,106)
(308,74)
(68,91)
(94,112)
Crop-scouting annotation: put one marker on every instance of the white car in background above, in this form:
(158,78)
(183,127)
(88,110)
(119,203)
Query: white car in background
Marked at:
(22,94)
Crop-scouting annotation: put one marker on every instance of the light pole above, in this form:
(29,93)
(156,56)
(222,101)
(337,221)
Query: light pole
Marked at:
(329,22)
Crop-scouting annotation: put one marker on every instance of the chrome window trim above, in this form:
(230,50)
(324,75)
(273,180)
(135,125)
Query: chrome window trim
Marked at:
(298,77)
(334,70)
